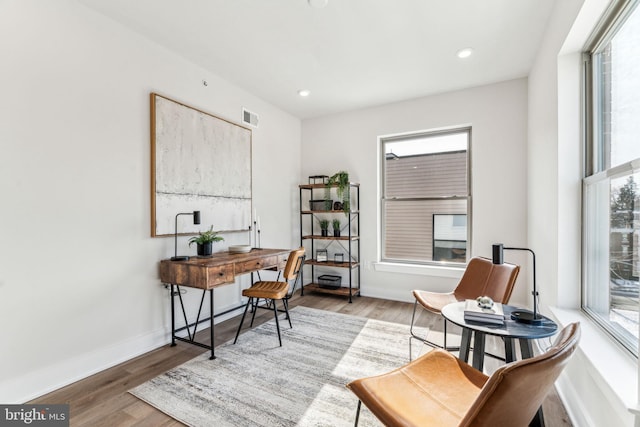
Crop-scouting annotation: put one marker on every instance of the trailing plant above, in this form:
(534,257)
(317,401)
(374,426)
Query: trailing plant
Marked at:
(339,180)
(208,236)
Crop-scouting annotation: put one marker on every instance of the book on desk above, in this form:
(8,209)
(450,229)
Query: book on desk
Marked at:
(474,313)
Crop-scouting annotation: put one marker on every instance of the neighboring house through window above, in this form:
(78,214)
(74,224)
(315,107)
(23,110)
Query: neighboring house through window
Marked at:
(611,225)
(426,200)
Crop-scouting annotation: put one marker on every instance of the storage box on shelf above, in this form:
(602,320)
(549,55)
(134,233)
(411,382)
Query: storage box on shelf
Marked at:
(313,207)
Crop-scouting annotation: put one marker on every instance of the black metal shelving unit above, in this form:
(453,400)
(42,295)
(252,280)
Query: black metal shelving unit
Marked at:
(350,242)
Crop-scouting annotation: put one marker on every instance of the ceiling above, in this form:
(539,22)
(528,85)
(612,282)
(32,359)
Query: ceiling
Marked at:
(350,54)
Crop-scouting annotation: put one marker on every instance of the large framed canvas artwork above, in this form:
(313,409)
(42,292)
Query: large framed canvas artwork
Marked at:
(199,162)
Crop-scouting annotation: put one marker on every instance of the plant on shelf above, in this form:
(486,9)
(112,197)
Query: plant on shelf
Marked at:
(205,240)
(324,227)
(336,227)
(340,180)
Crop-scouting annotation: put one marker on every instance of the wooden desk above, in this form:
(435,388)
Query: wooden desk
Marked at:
(208,273)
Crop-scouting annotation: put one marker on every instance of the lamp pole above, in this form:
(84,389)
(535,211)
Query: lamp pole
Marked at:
(521,315)
(196,220)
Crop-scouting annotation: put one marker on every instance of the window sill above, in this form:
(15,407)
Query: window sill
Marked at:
(424,270)
(610,364)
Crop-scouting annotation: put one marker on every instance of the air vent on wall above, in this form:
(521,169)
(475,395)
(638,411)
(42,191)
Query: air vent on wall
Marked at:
(249,118)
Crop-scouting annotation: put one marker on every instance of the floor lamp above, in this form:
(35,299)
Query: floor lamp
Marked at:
(521,315)
(196,220)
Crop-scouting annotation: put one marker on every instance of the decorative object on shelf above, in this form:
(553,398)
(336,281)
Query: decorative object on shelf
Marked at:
(321,255)
(329,281)
(313,179)
(336,227)
(196,220)
(324,227)
(341,181)
(338,258)
(320,205)
(474,312)
(337,206)
(521,315)
(205,240)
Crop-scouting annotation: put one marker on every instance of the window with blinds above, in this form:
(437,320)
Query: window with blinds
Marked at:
(426,197)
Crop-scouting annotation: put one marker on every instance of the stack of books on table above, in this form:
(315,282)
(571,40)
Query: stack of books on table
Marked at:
(474,313)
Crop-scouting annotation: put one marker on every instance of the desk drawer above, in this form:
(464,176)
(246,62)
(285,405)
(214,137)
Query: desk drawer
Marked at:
(255,265)
(196,276)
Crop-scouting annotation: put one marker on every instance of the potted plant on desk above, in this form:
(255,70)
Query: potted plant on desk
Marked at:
(205,240)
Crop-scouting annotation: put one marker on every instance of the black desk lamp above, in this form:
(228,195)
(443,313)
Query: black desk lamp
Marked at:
(521,315)
(196,220)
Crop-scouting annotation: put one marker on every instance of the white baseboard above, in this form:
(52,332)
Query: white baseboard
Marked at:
(51,377)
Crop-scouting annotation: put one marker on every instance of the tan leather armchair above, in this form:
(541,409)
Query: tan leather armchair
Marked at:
(481,277)
(438,389)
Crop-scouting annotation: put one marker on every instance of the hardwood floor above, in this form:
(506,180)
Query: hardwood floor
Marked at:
(103,400)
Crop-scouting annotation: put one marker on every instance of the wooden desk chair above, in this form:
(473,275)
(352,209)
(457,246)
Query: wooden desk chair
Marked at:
(272,291)
(481,277)
(440,390)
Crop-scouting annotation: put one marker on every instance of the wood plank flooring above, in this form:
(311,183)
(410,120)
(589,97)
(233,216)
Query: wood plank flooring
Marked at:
(103,400)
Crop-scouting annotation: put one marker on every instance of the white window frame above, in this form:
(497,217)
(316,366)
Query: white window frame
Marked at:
(598,175)
(443,268)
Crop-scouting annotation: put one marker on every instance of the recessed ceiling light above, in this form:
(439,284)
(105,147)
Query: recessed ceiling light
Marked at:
(464,53)
(304,92)
(318,4)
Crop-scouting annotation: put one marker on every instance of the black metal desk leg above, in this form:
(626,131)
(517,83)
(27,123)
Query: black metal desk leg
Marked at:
(173,319)
(213,344)
(465,344)
(478,350)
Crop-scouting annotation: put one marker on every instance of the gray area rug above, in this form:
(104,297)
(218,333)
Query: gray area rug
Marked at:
(302,383)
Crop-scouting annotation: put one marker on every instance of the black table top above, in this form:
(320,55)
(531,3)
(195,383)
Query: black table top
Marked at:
(511,329)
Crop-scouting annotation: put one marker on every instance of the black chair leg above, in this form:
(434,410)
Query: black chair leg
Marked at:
(254,306)
(275,312)
(286,309)
(358,413)
(246,307)
(424,339)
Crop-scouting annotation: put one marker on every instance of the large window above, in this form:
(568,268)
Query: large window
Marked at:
(425,197)
(611,194)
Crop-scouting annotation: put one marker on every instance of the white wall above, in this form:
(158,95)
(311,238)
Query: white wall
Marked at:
(79,288)
(497,114)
